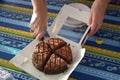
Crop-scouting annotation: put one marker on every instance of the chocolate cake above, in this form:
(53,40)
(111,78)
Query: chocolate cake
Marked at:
(55,65)
(52,56)
(65,53)
(41,55)
(55,43)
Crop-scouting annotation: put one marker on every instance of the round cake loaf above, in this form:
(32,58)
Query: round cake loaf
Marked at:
(52,56)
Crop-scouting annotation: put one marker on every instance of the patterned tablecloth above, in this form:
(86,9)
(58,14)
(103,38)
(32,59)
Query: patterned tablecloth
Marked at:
(102,58)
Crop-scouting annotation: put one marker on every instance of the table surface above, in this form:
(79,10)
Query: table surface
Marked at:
(101,61)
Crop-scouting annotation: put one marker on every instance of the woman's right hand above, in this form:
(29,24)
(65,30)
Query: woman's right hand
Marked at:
(38,25)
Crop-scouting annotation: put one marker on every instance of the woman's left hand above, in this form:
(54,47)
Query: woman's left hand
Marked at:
(97,15)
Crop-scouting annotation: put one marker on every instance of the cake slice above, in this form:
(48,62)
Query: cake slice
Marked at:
(40,55)
(55,65)
(65,53)
(56,43)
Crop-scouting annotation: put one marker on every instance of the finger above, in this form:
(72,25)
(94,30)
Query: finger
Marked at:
(93,30)
(33,25)
(91,25)
(40,35)
(98,27)
(32,28)
(94,24)
(36,32)
(90,19)
(30,25)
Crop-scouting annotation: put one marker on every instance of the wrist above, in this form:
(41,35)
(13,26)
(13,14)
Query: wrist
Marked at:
(40,12)
(101,4)
(43,16)
(39,6)
(107,1)
(103,1)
